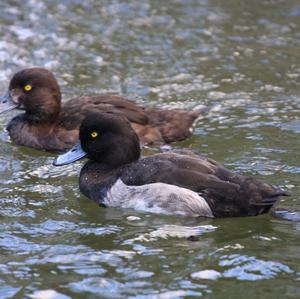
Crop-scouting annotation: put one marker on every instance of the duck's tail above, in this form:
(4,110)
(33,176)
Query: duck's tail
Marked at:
(261,196)
(175,124)
(249,197)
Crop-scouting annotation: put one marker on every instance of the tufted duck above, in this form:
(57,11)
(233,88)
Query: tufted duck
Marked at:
(49,125)
(177,183)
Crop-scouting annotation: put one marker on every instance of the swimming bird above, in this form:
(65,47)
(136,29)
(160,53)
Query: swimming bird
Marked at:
(176,182)
(47,124)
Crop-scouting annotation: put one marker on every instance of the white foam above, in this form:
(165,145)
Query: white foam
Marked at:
(48,294)
(133,218)
(206,274)
(173,231)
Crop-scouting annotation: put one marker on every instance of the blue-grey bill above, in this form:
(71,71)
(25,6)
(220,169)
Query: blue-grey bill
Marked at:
(6,103)
(74,154)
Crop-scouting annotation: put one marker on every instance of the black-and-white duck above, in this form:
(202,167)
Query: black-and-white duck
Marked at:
(175,183)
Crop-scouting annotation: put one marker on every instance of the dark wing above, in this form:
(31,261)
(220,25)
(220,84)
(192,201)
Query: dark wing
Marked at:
(191,171)
(152,124)
(227,193)
(75,110)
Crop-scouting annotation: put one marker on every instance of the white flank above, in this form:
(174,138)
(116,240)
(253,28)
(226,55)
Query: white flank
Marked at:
(158,198)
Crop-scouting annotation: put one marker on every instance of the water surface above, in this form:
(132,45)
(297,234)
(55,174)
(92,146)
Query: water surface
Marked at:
(241,59)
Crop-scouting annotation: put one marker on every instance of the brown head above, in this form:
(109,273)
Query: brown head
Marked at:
(36,91)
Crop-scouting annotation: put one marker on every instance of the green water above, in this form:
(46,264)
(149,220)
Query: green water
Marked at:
(241,59)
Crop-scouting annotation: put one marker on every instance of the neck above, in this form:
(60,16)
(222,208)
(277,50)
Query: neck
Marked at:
(40,118)
(44,108)
(95,179)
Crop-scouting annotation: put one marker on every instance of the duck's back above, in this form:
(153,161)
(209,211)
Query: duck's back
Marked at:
(153,125)
(227,193)
(76,109)
(182,168)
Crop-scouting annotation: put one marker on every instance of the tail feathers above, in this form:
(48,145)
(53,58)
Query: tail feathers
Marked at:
(261,194)
(251,198)
(271,200)
(174,125)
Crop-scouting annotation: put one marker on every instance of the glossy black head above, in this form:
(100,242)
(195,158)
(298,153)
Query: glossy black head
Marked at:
(36,91)
(109,139)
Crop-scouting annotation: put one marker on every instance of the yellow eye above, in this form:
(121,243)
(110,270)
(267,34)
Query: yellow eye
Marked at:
(94,134)
(27,87)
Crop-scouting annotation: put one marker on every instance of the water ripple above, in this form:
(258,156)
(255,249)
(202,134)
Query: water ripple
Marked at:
(250,268)
(242,61)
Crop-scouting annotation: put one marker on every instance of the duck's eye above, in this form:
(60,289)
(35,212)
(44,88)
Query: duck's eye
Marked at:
(94,134)
(27,87)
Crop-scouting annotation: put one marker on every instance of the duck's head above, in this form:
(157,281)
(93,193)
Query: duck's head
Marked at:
(34,90)
(105,138)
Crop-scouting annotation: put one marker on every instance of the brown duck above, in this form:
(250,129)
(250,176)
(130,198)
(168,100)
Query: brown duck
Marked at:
(47,124)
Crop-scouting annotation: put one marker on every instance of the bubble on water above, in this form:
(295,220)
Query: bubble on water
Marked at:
(48,294)
(48,170)
(133,218)
(173,231)
(244,267)
(99,60)
(287,215)
(206,274)
(293,126)
(264,238)
(108,287)
(23,33)
(21,245)
(51,64)
(7,291)
(236,246)
(216,95)
(269,87)
(171,295)
(182,83)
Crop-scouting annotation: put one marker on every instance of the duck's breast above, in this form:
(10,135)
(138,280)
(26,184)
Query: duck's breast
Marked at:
(157,198)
